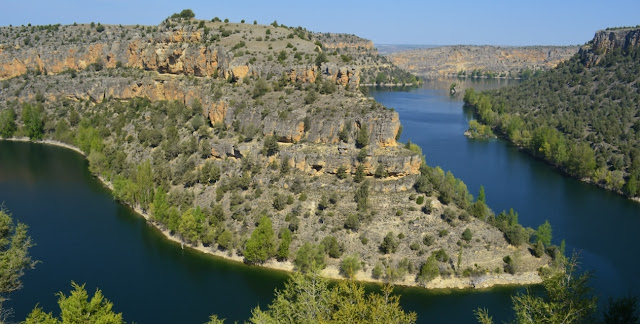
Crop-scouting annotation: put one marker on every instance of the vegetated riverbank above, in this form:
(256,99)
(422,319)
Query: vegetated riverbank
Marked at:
(486,280)
(578,117)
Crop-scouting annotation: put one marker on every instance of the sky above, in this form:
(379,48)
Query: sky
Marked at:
(479,22)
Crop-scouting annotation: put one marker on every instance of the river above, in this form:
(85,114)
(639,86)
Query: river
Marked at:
(82,234)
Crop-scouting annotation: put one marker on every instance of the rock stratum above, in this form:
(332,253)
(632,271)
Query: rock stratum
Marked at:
(255,142)
(482,61)
(607,41)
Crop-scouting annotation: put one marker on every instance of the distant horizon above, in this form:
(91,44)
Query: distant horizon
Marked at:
(466,22)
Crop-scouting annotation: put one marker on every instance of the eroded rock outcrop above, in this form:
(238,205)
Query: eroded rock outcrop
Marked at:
(606,41)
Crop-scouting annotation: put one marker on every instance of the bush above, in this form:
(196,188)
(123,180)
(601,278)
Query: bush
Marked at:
(331,247)
(429,270)
(309,257)
(363,136)
(352,222)
(516,235)
(260,88)
(341,173)
(389,244)
(280,202)
(361,196)
(350,265)
(428,240)
(224,240)
(7,123)
(381,172)
(441,255)
(377,271)
(420,200)
(467,235)
(270,146)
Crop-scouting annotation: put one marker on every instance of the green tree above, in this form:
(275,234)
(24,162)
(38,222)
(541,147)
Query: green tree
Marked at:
(361,196)
(14,254)
(77,308)
(359,176)
(160,206)
(467,235)
(191,225)
(285,243)
(481,196)
(33,120)
(309,257)
(270,146)
(331,246)
(350,265)
(566,299)
(429,270)
(321,58)
(144,181)
(307,298)
(260,88)
(213,319)
(389,244)
(7,123)
(543,234)
(362,139)
(261,244)
(352,222)
(224,240)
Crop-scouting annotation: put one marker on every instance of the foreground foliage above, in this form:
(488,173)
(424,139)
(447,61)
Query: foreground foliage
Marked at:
(566,298)
(78,308)
(14,255)
(307,298)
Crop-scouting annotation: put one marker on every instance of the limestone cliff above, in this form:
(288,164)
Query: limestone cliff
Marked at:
(606,41)
(496,61)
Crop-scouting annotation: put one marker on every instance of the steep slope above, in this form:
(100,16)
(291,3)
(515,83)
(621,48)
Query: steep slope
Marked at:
(583,116)
(481,61)
(253,142)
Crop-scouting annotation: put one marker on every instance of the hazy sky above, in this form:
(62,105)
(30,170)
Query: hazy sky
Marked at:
(515,22)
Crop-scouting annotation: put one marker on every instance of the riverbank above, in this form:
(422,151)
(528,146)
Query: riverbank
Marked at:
(332,271)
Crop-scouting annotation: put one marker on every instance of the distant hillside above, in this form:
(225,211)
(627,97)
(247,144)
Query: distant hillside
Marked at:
(583,116)
(386,49)
(481,61)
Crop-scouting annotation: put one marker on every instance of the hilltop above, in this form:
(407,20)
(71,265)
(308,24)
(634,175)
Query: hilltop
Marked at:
(258,143)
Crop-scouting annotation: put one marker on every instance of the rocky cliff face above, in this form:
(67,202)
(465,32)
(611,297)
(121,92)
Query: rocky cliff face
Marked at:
(171,50)
(606,41)
(497,60)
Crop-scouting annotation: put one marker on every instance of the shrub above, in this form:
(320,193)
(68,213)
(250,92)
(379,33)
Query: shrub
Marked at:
(260,88)
(428,240)
(331,247)
(363,136)
(270,146)
(309,257)
(224,240)
(429,270)
(467,235)
(420,200)
(352,222)
(389,244)
(377,271)
(441,255)
(350,265)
